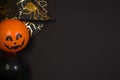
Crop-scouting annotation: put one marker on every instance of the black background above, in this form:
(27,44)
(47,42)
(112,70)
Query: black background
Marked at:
(83,43)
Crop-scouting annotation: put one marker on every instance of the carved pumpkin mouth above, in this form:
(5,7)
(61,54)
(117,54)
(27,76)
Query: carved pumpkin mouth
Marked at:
(15,47)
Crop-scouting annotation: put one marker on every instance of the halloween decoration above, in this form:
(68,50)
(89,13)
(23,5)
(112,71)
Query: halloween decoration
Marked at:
(32,10)
(13,67)
(24,9)
(20,20)
(14,35)
(34,27)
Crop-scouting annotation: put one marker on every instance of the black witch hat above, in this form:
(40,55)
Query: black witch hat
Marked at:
(33,13)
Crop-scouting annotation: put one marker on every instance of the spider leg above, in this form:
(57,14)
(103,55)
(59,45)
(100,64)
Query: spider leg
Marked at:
(40,26)
(20,2)
(35,15)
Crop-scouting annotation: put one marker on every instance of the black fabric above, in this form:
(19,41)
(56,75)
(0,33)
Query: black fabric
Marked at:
(32,12)
(24,9)
(8,9)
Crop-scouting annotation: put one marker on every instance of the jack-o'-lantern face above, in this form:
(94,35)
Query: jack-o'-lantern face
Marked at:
(13,35)
(15,44)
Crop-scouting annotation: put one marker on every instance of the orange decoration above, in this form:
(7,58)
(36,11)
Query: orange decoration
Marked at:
(14,35)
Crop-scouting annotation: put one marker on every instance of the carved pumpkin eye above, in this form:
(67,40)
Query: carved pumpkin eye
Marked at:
(9,38)
(18,36)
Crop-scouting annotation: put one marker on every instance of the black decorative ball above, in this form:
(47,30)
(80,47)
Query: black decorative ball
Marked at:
(13,68)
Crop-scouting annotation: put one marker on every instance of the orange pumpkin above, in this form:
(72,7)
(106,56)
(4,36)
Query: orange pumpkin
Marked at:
(14,35)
